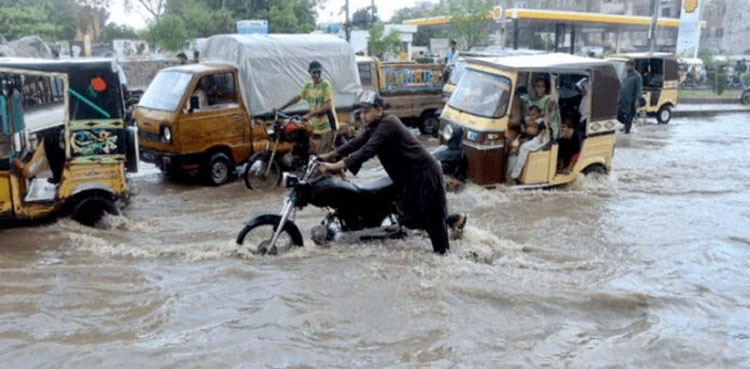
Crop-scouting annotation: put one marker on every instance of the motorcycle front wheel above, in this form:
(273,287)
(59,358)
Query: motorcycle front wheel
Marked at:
(262,174)
(255,237)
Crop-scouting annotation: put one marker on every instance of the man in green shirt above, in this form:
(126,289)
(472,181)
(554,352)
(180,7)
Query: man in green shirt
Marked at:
(322,111)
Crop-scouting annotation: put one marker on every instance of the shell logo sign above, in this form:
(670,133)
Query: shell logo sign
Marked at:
(690,5)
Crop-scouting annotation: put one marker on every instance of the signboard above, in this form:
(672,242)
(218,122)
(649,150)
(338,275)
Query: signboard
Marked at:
(689,34)
(252,26)
(409,77)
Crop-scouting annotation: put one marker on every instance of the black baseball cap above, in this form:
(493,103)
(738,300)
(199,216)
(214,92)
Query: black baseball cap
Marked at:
(315,66)
(370,99)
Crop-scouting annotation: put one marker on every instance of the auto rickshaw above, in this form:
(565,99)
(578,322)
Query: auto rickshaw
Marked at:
(63,142)
(491,99)
(745,98)
(661,78)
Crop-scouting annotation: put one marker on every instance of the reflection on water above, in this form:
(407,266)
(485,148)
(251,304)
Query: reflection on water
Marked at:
(645,267)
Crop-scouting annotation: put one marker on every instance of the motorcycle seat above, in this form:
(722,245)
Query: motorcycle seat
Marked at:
(375,186)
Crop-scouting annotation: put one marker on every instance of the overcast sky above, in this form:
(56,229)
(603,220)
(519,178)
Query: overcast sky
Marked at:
(329,13)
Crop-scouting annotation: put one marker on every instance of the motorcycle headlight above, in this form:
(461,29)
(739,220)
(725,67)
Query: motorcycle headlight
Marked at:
(166,135)
(289,180)
(270,129)
(448,132)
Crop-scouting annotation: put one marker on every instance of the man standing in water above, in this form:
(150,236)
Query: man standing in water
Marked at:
(630,93)
(322,112)
(421,200)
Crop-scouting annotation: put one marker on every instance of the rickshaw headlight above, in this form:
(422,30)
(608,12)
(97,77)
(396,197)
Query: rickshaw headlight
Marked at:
(448,132)
(493,136)
(166,135)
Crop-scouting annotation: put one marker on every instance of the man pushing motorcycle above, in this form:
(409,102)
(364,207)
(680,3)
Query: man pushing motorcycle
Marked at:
(417,175)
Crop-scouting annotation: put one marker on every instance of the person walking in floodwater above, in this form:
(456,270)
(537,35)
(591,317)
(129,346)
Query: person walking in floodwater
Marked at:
(630,94)
(414,171)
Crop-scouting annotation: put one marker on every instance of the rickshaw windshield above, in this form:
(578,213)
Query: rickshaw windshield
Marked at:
(620,69)
(166,90)
(458,71)
(482,94)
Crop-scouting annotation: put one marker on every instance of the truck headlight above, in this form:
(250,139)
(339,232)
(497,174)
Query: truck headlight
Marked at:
(166,135)
(448,132)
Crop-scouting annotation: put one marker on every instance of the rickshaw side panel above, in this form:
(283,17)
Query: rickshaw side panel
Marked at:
(6,202)
(537,166)
(76,178)
(596,150)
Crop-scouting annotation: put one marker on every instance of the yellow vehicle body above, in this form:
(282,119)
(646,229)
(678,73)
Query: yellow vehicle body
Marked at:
(93,167)
(661,79)
(483,138)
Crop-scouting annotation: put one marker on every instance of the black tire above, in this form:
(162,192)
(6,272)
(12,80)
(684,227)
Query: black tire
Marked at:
(218,169)
(255,173)
(261,229)
(89,210)
(595,169)
(664,115)
(745,99)
(429,125)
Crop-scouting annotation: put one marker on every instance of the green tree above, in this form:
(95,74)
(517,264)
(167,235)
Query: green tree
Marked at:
(706,55)
(200,19)
(470,20)
(380,44)
(168,32)
(113,31)
(424,34)
(49,19)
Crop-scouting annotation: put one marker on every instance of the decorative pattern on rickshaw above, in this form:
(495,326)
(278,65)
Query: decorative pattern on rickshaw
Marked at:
(93,142)
(409,78)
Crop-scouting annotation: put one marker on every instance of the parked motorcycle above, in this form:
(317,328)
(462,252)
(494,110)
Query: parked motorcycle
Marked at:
(356,213)
(264,169)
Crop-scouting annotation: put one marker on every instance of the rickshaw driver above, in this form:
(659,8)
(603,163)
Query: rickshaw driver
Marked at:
(419,177)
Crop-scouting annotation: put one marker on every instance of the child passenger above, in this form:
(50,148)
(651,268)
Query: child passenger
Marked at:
(534,137)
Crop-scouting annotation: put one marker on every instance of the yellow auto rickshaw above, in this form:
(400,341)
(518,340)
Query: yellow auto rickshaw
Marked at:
(493,98)
(63,145)
(661,78)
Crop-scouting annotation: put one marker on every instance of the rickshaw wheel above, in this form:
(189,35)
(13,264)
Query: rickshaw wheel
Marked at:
(664,115)
(745,98)
(91,209)
(594,168)
(429,125)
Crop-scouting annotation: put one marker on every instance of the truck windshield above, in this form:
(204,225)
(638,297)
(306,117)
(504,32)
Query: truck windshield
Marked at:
(481,94)
(166,90)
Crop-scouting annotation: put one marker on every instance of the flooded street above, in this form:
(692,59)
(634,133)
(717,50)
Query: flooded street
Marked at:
(648,267)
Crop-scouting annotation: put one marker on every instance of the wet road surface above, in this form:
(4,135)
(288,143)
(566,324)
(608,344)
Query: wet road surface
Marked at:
(647,267)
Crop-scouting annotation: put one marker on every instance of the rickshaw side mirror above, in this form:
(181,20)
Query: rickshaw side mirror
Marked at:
(194,101)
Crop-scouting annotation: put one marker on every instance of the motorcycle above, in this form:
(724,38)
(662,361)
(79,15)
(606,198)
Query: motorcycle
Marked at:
(356,213)
(264,169)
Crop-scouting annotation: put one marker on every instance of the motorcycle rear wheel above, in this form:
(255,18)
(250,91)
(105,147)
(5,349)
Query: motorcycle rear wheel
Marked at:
(259,177)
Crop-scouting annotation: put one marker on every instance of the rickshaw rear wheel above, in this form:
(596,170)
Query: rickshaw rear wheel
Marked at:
(745,98)
(89,210)
(429,125)
(594,169)
(664,115)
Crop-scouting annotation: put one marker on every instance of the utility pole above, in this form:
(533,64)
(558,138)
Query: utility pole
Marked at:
(652,30)
(504,4)
(347,24)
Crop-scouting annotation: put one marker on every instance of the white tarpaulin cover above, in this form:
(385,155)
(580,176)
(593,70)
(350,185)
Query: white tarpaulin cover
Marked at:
(273,68)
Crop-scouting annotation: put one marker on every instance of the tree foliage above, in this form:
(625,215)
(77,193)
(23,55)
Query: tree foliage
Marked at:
(201,20)
(113,31)
(49,19)
(470,20)
(380,44)
(168,32)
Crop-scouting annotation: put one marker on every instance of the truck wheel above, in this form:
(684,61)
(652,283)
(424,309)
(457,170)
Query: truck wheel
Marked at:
(217,169)
(429,125)
(91,209)
(664,114)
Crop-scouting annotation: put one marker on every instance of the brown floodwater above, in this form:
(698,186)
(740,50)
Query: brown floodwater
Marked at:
(646,267)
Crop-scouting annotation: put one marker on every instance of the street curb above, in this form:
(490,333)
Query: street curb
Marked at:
(723,100)
(707,113)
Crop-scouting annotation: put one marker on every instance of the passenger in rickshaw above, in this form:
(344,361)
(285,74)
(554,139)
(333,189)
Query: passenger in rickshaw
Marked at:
(515,119)
(534,137)
(570,144)
(546,104)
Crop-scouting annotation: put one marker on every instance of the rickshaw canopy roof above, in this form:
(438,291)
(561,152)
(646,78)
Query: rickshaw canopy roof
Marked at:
(106,104)
(543,63)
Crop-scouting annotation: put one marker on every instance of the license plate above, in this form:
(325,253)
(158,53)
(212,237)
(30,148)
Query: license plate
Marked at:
(472,135)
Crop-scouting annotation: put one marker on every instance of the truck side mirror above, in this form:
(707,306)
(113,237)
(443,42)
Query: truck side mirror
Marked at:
(194,101)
